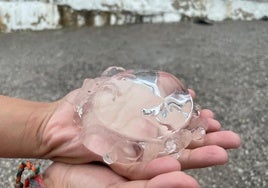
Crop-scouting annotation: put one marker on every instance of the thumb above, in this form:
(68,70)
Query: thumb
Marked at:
(146,170)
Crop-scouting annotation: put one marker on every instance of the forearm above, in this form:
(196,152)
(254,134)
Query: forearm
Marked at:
(21,125)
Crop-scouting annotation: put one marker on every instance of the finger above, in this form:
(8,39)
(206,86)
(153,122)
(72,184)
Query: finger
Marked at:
(203,157)
(209,124)
(173,179)
(144,170)
(224,139)
(212,125)
(170,180)
(206,113)
(94,175)
(192,93)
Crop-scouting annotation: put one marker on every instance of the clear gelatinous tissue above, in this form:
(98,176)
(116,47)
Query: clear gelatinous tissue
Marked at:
(136,115)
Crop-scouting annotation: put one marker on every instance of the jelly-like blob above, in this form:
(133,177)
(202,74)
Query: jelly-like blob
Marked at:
(130,116)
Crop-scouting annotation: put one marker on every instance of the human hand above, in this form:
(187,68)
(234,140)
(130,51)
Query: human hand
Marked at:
(212,150)
(61,137)
(100,176)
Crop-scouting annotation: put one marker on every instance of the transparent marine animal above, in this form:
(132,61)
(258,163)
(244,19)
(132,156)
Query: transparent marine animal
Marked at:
(130,116)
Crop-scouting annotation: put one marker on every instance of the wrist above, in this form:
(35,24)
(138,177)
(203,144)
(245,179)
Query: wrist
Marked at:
(21,126)
(37,123)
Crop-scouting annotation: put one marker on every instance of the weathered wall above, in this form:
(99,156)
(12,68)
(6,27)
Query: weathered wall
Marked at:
(52,14)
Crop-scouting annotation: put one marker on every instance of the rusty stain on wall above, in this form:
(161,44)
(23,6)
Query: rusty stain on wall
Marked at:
(70,17)
(3,26)
(40,19)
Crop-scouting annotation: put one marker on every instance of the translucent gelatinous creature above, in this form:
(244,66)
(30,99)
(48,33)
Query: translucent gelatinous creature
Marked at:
(131,116)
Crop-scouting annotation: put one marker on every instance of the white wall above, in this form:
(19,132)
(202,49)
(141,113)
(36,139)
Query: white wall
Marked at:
(52,14)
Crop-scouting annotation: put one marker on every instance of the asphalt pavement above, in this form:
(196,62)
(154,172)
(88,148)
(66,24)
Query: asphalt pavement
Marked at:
(225,63)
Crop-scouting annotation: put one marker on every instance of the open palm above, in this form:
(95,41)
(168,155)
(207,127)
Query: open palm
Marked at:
(100,176)
(61,137)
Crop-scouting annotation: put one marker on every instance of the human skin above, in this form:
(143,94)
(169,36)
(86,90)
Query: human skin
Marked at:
(47,130)
(161,172)
(31,129)
(100,176)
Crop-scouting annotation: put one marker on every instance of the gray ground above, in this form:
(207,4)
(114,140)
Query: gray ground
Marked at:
(227,65)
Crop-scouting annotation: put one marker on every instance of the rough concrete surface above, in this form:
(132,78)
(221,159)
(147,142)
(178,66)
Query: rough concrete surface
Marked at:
(226,64)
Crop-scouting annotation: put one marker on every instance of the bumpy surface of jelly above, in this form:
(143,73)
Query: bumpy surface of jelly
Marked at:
(135,115)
